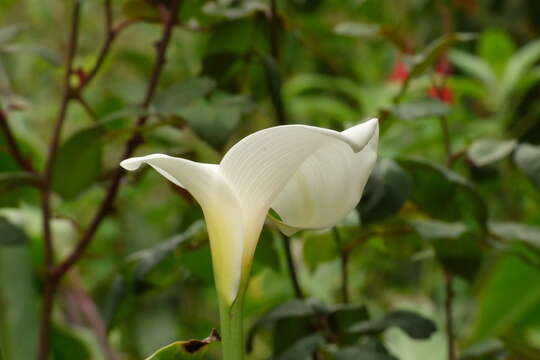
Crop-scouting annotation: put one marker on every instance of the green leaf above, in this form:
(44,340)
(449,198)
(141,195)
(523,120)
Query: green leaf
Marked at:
(303,349)
(239,10)
(235,36)
(496,47)
(387,189)
(185,350)
(486,151)
(11,234)
(473,65)
(364,352)
(78,163)
(358,29)
(147,270)
(173,99)
(13,180)
(319,248)
(266,253)
(342,316)
(154,267)
(21,301)
(497,313)
(517,232)
(527,159)
(517,67)
(291,321)
(456,248)
(414,325)
(433,51)
(65,344)
(419,109)
(214,119)
(484,350)
(434,185)
(9,33)
(432,229)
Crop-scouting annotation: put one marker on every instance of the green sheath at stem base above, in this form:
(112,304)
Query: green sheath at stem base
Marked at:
(232,331)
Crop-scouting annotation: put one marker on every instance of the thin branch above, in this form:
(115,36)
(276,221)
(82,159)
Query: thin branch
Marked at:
(50,283)
(12,145)
(111,33)
(45,321)
(274,30)
(448,306)
(344,256)
(447,23)
(134,141)
(87,107)
(291,267)
(276,95)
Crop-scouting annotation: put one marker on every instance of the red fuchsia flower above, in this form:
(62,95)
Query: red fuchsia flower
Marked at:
(442,67)
(444,94)
(443,70)
(400,72)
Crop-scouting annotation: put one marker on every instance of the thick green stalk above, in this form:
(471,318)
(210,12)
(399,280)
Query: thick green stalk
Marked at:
(232,331)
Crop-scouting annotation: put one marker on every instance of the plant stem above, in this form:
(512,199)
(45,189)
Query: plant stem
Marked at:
(54,274)
(48,246)
(276,95)
(232,330)
(344,255)
(12,145)
(134,141)
(292,269)
(448,283)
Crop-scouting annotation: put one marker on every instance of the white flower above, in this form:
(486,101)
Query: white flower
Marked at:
(312,177)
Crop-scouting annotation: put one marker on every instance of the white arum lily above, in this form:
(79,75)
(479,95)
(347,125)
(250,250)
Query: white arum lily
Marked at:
(312,177)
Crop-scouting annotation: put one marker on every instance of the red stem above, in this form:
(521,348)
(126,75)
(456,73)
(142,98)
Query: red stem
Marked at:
(131,145)
(50,282)
(12,145)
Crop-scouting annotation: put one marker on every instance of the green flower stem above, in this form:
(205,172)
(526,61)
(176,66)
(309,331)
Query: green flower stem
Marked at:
(232,331)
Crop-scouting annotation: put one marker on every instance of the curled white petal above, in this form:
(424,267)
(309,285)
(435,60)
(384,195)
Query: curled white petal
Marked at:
(329,184)
(221,211)
(311,176)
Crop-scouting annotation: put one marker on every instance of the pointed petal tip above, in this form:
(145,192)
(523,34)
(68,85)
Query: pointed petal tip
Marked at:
(360,135)
(131,164)
(134,163)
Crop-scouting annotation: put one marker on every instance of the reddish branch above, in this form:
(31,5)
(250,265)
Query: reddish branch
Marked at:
(50,284)
(448,306)
(12,145)
(131,145)
(55,273)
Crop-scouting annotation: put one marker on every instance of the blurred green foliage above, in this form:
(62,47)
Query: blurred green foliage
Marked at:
(455,84)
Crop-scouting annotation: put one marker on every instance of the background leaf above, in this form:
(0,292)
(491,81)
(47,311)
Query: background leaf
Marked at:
(78,163)
(11,234)
(486,151)
(527,158)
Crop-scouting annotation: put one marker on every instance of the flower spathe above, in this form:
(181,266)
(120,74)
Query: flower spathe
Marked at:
(312,177)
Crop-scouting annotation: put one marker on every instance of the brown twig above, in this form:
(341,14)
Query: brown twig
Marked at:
(12,145)
(292,268)
(344,256)
(134,141)
(55,274)
(448,305)
(277,98)
(50,281)
(87,107)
